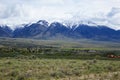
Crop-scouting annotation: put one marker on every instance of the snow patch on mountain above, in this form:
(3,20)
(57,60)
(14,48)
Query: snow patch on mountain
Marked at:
(75,24)
(43,23)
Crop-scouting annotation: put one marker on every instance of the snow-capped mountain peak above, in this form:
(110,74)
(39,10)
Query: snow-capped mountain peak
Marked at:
(73,24)
(43,23)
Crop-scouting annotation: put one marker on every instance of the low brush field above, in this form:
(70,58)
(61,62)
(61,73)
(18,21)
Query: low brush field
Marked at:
(58,69)
(49,60)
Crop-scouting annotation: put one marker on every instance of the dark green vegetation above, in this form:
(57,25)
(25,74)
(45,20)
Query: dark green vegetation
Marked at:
(28,59)
(58,53)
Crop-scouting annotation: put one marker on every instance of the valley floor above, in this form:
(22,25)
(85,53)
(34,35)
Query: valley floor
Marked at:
(29,59)
(58,69)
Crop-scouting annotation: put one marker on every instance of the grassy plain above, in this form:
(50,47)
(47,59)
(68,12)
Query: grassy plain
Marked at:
(29,59)
(58,69)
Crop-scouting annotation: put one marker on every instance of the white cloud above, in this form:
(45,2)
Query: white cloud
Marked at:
(24,11)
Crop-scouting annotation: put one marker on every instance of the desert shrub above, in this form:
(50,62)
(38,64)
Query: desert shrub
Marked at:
(21,77)
(8,62)
(76,72)
(57,74)
(32,57)
(13,73)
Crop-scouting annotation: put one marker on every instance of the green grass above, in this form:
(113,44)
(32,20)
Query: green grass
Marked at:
(58,69)
(29,59)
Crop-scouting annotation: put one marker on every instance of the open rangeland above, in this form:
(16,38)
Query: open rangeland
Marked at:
(23,59)
(58,69)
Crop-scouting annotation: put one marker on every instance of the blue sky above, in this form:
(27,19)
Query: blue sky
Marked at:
(106,12)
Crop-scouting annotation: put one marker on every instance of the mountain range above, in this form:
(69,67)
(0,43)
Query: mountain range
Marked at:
(56,30)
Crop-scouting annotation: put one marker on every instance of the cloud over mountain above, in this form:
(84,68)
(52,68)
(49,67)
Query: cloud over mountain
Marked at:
(106,12)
